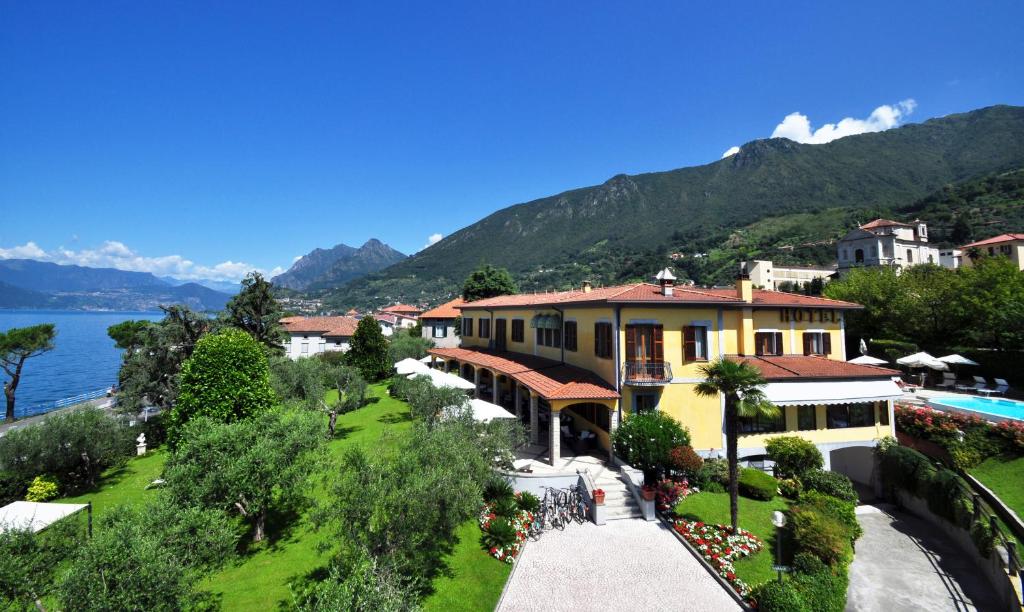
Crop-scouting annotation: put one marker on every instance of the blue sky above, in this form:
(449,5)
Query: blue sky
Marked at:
(203,139)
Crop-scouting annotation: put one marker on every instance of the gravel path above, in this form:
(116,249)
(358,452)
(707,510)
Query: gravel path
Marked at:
(622,565)
(903,563)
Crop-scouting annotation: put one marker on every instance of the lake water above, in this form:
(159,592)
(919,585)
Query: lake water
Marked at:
(85,358)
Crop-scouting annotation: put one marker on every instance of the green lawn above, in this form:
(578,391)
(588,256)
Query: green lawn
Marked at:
(259,580)
(755,516)
(1005,478)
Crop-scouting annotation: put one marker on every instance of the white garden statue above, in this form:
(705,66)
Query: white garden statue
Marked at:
(140,448)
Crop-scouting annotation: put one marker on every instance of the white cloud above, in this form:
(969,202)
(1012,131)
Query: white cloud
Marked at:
(797,126)
(433,239)
(114,254)
(730,151)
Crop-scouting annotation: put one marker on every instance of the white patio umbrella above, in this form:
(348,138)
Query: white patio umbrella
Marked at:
(486,412)
(444,379)
(956,359)
(427,359)
(410,366)
(922,360)
(868,360)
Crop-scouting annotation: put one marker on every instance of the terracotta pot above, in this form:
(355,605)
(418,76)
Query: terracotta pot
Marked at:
(647,494)
(599,497)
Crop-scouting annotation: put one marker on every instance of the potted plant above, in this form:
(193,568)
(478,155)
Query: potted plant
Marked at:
(599,497)
(650,489)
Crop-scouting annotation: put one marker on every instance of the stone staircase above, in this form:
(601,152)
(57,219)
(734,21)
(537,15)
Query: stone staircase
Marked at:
(618,501)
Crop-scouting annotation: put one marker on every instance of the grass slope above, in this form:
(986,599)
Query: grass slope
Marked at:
(259,579)
(755,516)
(1006,479)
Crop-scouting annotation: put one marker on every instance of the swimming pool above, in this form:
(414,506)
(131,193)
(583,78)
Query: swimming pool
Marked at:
(991,408)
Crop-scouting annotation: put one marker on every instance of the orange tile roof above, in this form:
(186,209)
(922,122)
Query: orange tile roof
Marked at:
(784,367)
(400,308)
(641,293)
(994,240)
(327,326)
(448,310)
(883,223)
(551,379)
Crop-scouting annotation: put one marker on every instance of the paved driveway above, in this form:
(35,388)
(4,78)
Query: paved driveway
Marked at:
(622,565)
(902,563)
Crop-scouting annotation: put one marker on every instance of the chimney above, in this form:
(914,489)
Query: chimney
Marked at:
(744,287)
(587,287)
(666,279)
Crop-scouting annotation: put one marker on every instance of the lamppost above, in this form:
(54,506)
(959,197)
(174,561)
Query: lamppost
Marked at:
(779,520)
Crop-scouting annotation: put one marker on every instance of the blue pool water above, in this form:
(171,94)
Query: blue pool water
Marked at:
(1008,409)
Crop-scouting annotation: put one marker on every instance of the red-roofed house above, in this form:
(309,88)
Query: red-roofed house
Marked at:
(1003,245)
(583,359)
(438,324)
(308,336)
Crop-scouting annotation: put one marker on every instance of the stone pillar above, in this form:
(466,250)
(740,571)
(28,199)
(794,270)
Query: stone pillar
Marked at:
(554,437)
(495,390)
(613,419)
(534,421)
(517,400)
(476,382)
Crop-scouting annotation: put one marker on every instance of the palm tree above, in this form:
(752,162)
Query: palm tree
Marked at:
(741,384)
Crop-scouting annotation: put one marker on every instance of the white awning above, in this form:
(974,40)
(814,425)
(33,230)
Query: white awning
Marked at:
(831,392)
(34,515)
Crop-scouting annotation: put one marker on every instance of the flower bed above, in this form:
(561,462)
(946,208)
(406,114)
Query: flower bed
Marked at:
(671,491)
(720,547)
(520,523)
(968,439)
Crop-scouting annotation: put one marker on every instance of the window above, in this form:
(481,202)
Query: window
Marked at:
(549,337)
(440,330)
(762,424)
(805,418)
(645,402)
(991,250)
(768,343)
(518,328)
(499,334)
(841,416)
(817,343)
(305,348)
(644,344)
(467,326)
(858,256)
(484,328)
(883,414)
(570,336)
(1005,249)
(910,256)
(695,343)
(603,340)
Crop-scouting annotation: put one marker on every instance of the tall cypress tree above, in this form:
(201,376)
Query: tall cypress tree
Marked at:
(368,350)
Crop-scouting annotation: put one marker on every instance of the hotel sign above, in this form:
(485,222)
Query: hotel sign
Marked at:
(810,315)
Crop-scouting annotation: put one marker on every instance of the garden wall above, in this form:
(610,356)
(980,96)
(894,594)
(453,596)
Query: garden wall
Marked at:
(1007,588)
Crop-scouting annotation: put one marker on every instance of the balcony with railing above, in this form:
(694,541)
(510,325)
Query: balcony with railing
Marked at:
(646,373)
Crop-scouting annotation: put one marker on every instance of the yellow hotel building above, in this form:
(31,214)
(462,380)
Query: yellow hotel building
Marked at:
(572,364)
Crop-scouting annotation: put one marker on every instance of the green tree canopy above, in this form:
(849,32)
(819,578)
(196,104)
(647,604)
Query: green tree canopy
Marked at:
(408,343)
(227,379)
(368,350)
(18,345)
(248,467)
(741,384)
(487,281)
(256,311)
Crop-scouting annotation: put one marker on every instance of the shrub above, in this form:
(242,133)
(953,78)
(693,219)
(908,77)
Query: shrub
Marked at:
(355,581)
(775,596)
(498,488)
(830,483)
(793,456)
(74,446)
(790,488)
(904,468)
(528,502)
(507,507)
(669,492)
(29,561)
(816,532)
(822,591)
(684,459)
(808,564)
(714,487)
(842,510)
(43,489)
(944,489)
(500,534)
(755,484)
(983,537)
(645,440)
(227,378)
(712,472)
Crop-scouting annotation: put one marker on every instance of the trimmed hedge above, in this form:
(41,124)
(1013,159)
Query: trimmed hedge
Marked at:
(830,483)
(755,484)
(775,596)
(793,456)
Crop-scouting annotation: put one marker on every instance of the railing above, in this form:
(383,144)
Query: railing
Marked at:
(58,404)
(646,373)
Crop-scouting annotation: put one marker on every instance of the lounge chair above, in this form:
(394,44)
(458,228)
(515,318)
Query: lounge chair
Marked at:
(979,383)
(981,386)
(948,381)
(1001,386)
(905,386)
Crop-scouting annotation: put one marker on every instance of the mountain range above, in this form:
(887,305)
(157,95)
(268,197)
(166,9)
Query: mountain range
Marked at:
(775,198)
(27,283)
(330,268)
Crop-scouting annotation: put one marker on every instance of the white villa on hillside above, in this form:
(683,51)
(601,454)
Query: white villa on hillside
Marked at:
(765,275)
(439,324)
(883,242)
(308,336)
